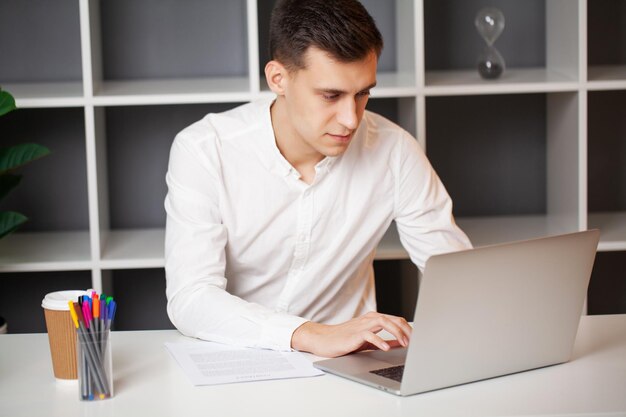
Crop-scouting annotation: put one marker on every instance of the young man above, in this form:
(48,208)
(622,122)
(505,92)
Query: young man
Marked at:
(275,208)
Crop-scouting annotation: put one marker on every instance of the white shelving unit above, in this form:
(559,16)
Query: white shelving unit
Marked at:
(564,80)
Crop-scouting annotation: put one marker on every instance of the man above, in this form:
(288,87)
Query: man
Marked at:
(275,208)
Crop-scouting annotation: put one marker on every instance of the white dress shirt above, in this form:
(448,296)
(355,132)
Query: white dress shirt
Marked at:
(252,252)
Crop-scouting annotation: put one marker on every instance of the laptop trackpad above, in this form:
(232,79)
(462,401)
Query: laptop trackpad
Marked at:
(392,357)
(363,362)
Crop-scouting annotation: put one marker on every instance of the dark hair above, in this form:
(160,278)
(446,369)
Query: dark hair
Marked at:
(343,28)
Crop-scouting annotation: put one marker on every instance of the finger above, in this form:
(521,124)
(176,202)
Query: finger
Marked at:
(397,327)
(394,344)
(375,340)
(403,324)
(368,346)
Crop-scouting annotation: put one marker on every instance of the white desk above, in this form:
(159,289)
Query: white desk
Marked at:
(148,382)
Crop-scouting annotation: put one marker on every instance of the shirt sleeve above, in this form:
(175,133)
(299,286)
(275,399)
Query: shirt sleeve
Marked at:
(195,241)
(423,208)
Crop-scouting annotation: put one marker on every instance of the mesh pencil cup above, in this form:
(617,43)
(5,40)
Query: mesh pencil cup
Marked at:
(95,370)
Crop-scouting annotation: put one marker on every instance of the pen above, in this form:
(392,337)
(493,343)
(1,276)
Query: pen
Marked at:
(103,318)
(112,308)
(85,383)
(96,312)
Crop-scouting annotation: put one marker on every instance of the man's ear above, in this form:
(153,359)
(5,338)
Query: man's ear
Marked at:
(276,76)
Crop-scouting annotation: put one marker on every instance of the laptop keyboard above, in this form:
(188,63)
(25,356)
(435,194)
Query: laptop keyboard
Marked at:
(393,372)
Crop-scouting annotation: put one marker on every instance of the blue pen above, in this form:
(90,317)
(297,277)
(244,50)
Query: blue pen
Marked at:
(111,312)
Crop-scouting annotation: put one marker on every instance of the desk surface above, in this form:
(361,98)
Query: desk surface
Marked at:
(147,381)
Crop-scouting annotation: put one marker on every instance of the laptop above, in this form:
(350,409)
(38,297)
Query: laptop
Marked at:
(483,313)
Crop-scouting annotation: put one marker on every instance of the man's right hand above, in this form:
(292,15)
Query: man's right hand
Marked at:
(332,340)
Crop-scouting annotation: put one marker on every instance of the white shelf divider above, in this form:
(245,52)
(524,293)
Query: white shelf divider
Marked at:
(513,81)
(173,91)
(484,231)
(46,95)
(45,251)
(607,77)
(136,248)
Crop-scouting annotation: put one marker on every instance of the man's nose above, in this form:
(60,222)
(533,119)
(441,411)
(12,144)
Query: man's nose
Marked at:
(347,116)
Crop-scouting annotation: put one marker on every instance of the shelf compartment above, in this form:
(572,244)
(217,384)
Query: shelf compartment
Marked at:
(43,95)
(144,39)
(607,167)
(53,190)
(133,248)
(149,284)
(40,41)
(606,50)
(45,251)
(541,59)
(508,155)
(396,66)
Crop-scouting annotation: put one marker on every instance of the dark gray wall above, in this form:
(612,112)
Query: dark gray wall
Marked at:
(607,151)
(606,22)
(140,294)
(53,191)
(162,39)
(607,288)
(490,152)
(39,41)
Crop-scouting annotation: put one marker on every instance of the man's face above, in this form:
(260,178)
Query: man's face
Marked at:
(326,100)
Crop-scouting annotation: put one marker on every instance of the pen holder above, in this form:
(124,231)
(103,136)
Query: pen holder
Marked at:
(95,370)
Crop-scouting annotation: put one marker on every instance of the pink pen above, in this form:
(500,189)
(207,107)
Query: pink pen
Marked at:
(87,315)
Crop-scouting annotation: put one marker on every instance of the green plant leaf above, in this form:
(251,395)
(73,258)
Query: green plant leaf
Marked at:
(7,102)
(7,183)
(18,155)
(10,221)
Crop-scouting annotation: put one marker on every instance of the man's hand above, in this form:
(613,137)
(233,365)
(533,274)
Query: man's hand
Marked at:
(332,340)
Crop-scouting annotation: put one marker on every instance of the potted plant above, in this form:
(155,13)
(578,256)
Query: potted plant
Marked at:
(11,158)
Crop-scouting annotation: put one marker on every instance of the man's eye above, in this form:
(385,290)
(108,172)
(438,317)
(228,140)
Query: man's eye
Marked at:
(330,97)
(364,93)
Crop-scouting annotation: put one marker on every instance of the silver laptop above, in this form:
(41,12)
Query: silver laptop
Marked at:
(483,313)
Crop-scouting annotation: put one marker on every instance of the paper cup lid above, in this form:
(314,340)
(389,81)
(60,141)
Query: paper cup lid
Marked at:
(58,300)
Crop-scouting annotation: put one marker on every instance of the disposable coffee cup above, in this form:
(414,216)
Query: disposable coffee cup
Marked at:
(61,333)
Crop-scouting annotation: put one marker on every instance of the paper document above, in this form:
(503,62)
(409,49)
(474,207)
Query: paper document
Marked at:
(207,363)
